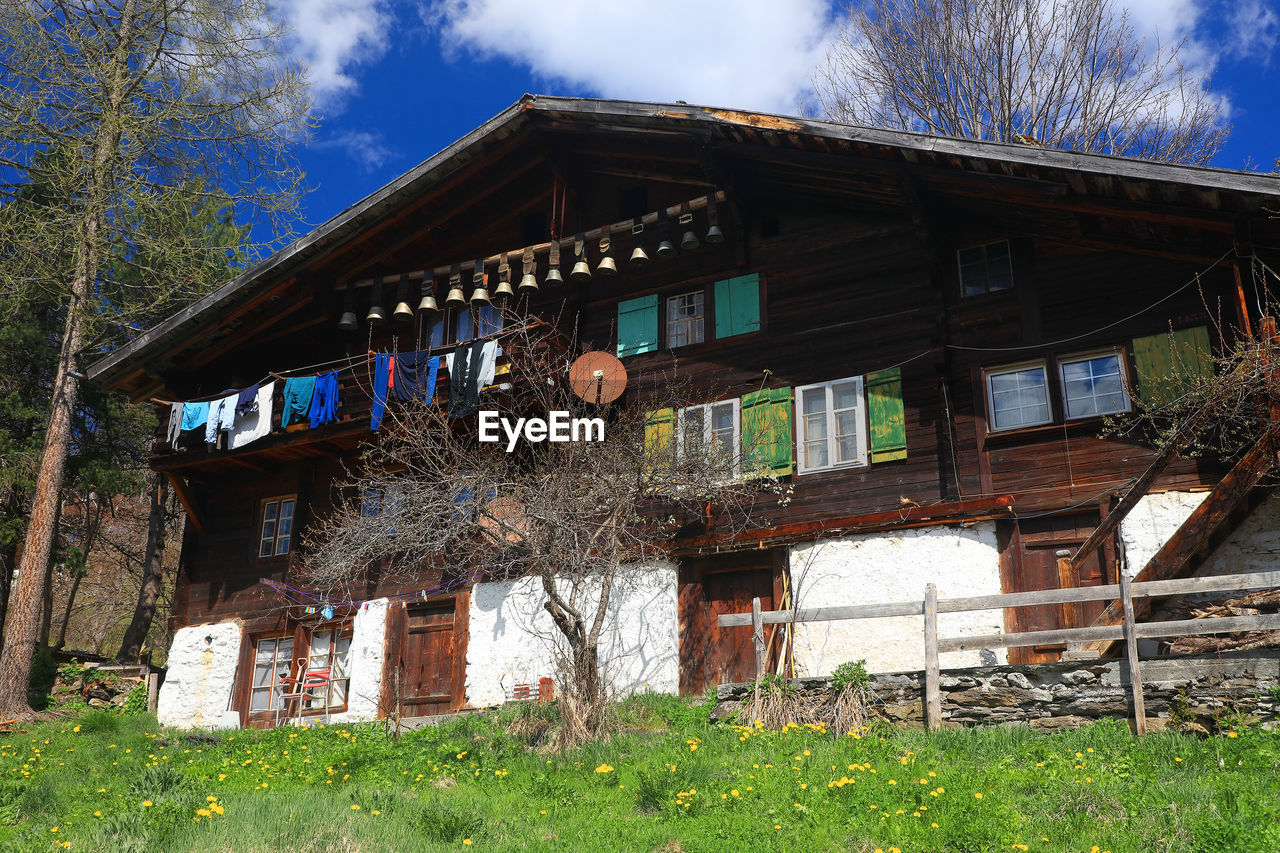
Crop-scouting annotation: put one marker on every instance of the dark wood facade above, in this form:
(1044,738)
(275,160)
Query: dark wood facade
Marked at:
(854,235)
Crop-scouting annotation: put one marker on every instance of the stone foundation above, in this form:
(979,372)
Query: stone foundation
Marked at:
(1189,691)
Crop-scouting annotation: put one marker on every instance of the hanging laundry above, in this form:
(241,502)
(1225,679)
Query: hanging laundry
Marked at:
(194,415)
(471,366)
(247,401)
(175,424)
(222,417)
(381,381)
(257,423)
(324,402)
(415,376)
(297,399)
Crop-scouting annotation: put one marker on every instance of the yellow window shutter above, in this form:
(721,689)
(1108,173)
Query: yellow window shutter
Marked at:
(659,438)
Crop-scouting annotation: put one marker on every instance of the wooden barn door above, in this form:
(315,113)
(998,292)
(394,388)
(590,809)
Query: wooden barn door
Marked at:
(430,659)
(710,587)
(1030,562)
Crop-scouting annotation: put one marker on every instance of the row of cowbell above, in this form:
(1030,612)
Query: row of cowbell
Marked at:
(580,274)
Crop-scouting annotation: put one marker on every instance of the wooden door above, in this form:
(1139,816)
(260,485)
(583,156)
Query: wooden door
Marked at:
(1030,563)
(710,654)
(429,659)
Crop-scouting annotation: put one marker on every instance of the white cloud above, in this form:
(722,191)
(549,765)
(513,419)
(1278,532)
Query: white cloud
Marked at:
(369,150)
(1255,30)
(756,54)
(334,36)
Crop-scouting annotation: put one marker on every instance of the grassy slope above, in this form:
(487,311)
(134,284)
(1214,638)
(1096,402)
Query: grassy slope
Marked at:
(120,784)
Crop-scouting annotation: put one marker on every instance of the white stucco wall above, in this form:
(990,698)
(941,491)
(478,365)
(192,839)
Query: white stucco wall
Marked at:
(513,640)
(1253,547)
(894,566)
(201,674)
(1151,522)
(364,663)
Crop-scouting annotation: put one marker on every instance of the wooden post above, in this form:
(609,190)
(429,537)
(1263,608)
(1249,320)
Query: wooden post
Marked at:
(932,695)
(757,636)
(1131,652)
(1066,580)
(153,690)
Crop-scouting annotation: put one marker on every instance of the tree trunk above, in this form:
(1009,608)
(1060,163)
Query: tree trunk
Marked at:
(66,613)
(152,574)
(46,608)
(24,603)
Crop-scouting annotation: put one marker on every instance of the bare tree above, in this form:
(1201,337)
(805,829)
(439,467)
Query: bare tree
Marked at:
(1066,74)
(430,499)
(125,114)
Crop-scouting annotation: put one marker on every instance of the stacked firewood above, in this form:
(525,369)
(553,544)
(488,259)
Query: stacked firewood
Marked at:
(1252,604)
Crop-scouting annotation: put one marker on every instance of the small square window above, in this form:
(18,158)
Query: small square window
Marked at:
(712,426)
(985,269)
(831,427)
(685,319)
(276,532)
(1094,384)
(1018,397)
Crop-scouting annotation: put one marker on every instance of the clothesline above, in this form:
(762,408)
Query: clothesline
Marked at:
(351,361)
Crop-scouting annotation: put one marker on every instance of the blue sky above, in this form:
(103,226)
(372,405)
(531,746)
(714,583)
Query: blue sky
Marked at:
(397,81)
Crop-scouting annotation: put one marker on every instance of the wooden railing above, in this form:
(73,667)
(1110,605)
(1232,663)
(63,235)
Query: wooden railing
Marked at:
(1128,630)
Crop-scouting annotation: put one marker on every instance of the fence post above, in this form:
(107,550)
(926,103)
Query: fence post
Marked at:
(757,636)
(932,696)
(1131,653)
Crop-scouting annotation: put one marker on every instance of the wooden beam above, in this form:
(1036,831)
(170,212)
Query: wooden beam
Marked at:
(187,499)
(1173,558)
(943,513)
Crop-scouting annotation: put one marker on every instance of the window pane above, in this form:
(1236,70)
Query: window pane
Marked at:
(846,449)
(815,454)
(1094,386)
(264,550)
(685,319)
(815,427)
(282,544)
(845,395)
(815,400)
(269,510)
(1019,398)
(286,509)
(259,699)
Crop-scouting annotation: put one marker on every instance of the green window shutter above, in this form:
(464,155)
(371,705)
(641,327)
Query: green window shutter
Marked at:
(766,432)
(886,415)
(1167,365)
(738,305)
(638,325)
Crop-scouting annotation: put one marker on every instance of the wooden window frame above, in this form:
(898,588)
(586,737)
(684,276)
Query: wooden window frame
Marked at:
(736,404)
(254,641)
(1126,385)
(667,321)
(863,458)
(990,373)
(986,262)
(342,629)
(707,288)
(279,501)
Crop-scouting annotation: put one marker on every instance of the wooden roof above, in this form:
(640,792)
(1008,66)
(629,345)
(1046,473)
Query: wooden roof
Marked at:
(457,203)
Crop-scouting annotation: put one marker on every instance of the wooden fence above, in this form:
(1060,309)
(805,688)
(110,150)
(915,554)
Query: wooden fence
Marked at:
(1129,630)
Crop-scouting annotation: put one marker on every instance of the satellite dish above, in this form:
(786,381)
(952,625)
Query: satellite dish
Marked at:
(598,377)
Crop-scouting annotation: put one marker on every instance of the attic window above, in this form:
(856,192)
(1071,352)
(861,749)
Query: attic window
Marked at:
(985,269)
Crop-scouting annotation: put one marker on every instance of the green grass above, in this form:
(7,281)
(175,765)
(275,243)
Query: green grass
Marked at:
(670,782)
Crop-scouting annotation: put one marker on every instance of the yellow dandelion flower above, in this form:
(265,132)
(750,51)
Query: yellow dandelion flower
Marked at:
(204,813)
(466,841)
(605,768)
(934,825)
(355,807)
(146,804)
(977,795)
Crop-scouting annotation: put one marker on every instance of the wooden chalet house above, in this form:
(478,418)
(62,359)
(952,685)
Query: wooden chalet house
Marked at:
(942,324)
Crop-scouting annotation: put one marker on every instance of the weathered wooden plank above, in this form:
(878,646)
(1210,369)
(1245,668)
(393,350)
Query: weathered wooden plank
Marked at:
(1142,630)
(757,636)
(1144,589)
(1131,653)
(932,676)
(824,614)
